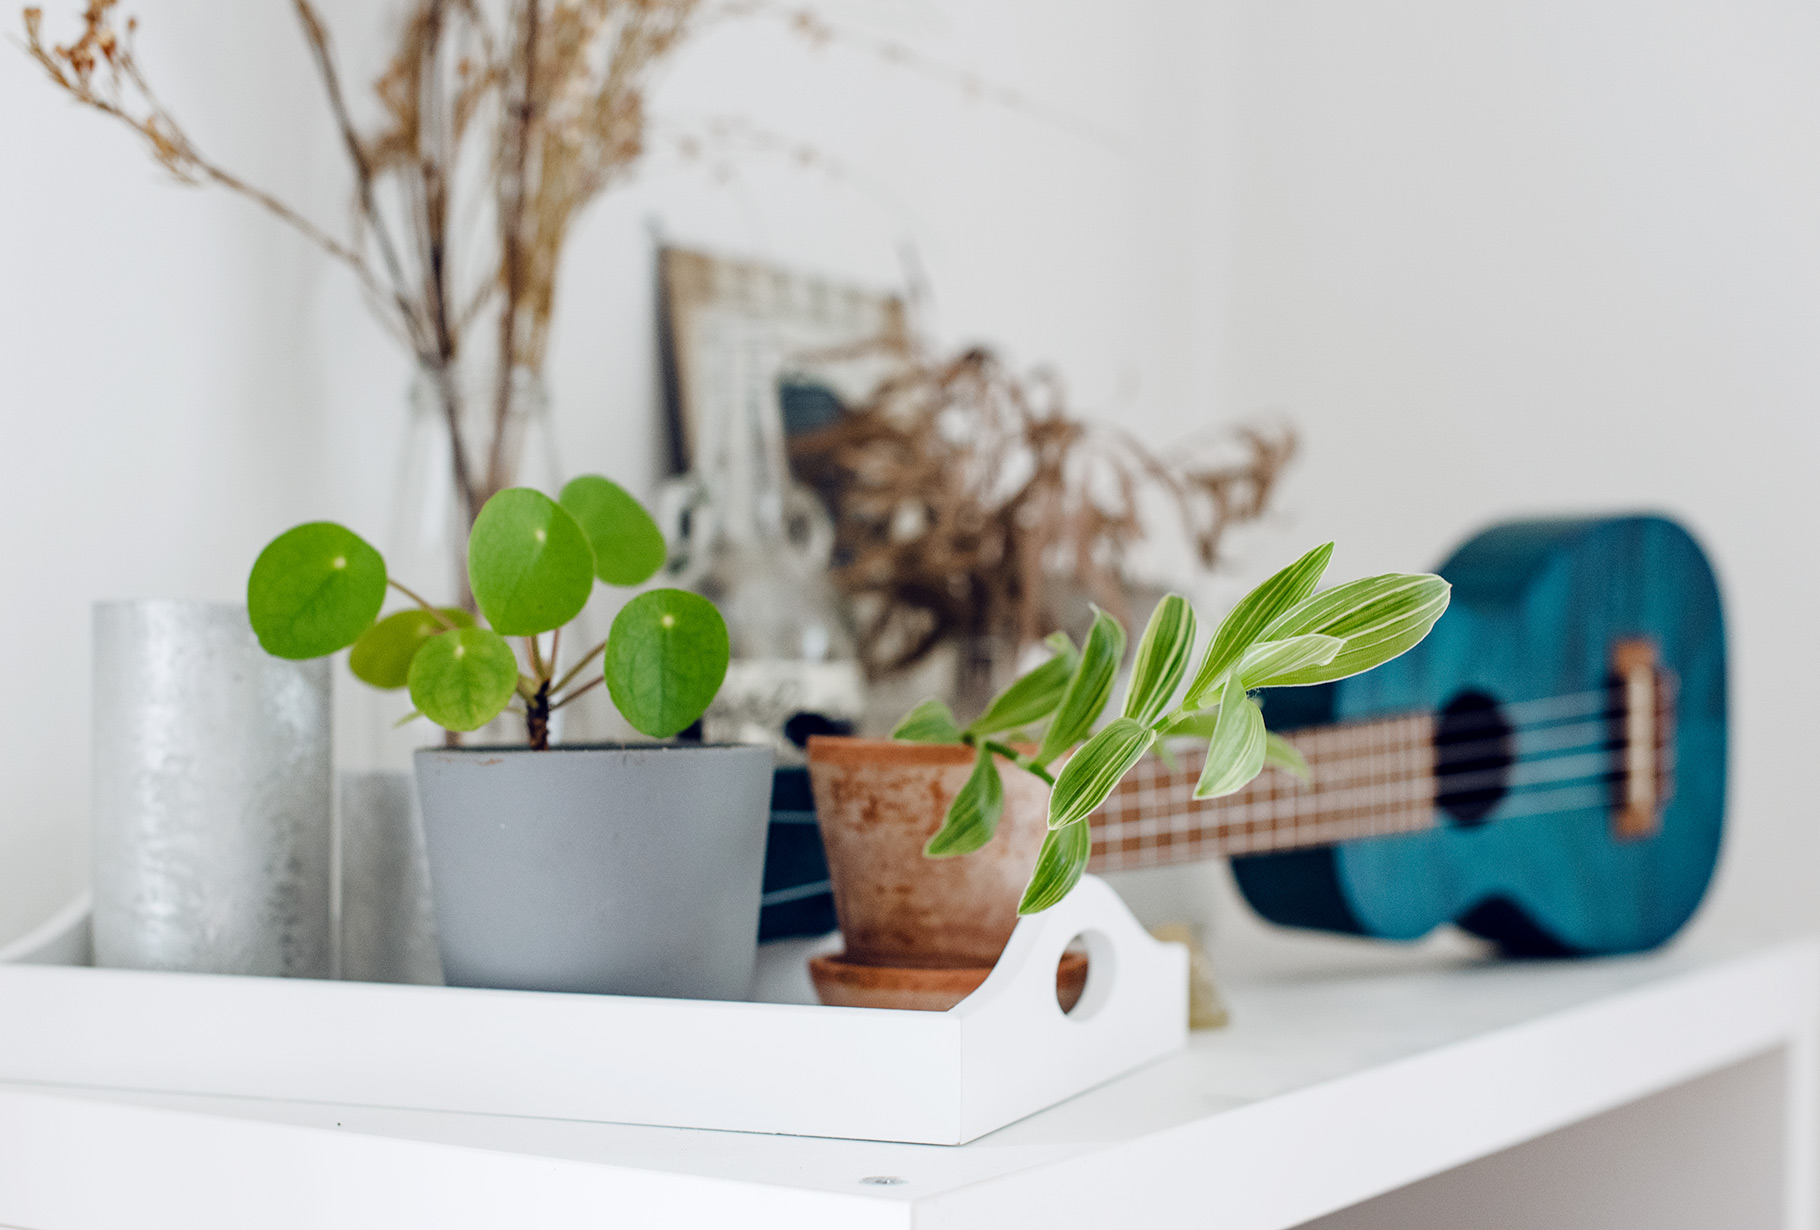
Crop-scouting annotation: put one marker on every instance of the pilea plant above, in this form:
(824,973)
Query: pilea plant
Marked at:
(532,564)
(1281,634)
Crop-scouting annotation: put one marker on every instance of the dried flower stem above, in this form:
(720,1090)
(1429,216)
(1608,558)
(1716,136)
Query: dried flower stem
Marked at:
(555,91)
(512,265)
(316,36)
(559,103)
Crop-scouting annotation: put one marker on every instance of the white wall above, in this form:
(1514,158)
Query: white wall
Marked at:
(158,408)
(1490,259)
(1504,258)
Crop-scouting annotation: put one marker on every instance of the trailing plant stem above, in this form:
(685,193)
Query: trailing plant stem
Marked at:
(1018,759)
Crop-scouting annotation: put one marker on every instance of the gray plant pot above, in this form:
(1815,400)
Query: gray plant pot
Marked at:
(616,869)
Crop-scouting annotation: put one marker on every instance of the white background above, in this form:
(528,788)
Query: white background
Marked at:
(1489,260)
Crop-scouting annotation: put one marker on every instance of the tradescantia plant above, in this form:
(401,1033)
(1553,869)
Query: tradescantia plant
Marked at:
(532,564)
(1281,634)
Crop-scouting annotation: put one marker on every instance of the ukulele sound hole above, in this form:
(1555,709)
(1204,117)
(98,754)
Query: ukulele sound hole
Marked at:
(1474,747)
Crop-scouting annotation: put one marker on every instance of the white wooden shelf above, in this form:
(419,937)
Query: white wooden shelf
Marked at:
(1321,1095)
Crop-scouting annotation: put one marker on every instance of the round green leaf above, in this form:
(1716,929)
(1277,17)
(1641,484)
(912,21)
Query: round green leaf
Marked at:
(628,546)
(529,563)
(313,590)
(461,680)
(382,656)
(666,655)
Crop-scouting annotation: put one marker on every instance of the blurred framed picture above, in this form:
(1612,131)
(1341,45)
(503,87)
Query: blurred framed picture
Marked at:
(741,336)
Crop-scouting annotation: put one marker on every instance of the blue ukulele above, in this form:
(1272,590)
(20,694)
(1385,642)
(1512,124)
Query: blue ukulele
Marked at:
(1546,770)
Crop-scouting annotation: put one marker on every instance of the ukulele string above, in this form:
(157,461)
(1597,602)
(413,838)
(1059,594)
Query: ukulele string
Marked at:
(1535,732)
(1534,748)
(1566,760)
(1592,791)
(1177,825)
(1524,713)
(1536,714)
(1548,787)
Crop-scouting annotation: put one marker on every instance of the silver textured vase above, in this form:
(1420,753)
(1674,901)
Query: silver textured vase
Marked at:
(212,795)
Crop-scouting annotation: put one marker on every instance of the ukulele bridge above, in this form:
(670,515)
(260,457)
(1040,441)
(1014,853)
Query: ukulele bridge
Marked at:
(1646,718)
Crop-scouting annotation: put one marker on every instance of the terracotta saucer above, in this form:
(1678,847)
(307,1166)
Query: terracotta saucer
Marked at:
(841,983)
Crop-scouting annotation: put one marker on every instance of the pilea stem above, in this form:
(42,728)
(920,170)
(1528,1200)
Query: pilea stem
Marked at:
(592,683)
(414,596)
(537,718)
(580,666)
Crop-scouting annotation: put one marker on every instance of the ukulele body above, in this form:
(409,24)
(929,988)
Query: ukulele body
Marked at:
(1537,610)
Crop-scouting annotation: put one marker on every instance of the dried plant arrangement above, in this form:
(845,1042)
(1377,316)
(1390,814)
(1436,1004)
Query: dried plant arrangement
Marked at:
(966,498)
(517,114)
(550,102)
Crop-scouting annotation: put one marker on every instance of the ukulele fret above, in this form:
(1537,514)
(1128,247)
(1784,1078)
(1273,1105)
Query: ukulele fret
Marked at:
(1367,779)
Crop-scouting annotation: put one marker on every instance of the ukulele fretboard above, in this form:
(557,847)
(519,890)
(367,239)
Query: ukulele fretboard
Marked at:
(1368,779)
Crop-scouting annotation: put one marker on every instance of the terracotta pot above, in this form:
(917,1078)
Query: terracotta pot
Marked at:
(878,801)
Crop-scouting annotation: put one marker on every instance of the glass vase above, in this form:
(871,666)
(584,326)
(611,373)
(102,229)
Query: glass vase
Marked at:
(426,540)
(756,543)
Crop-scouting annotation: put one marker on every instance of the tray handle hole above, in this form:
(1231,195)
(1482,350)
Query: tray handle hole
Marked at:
(1084,975)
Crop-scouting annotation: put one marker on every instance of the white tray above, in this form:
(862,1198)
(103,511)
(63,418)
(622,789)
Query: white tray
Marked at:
(1004,1052)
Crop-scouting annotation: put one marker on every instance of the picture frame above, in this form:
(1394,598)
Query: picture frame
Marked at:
(732,328)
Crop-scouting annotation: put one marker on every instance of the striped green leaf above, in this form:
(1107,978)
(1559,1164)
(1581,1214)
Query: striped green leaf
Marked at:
(1246,622)
(1282,754)
(1092,772)
(1058,867)
(1162,658)
(1270,662)
(1235,754)
(1088,690)
(1035,696)
(1378,618)
(1198,725)
(930,722)
(972,818)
